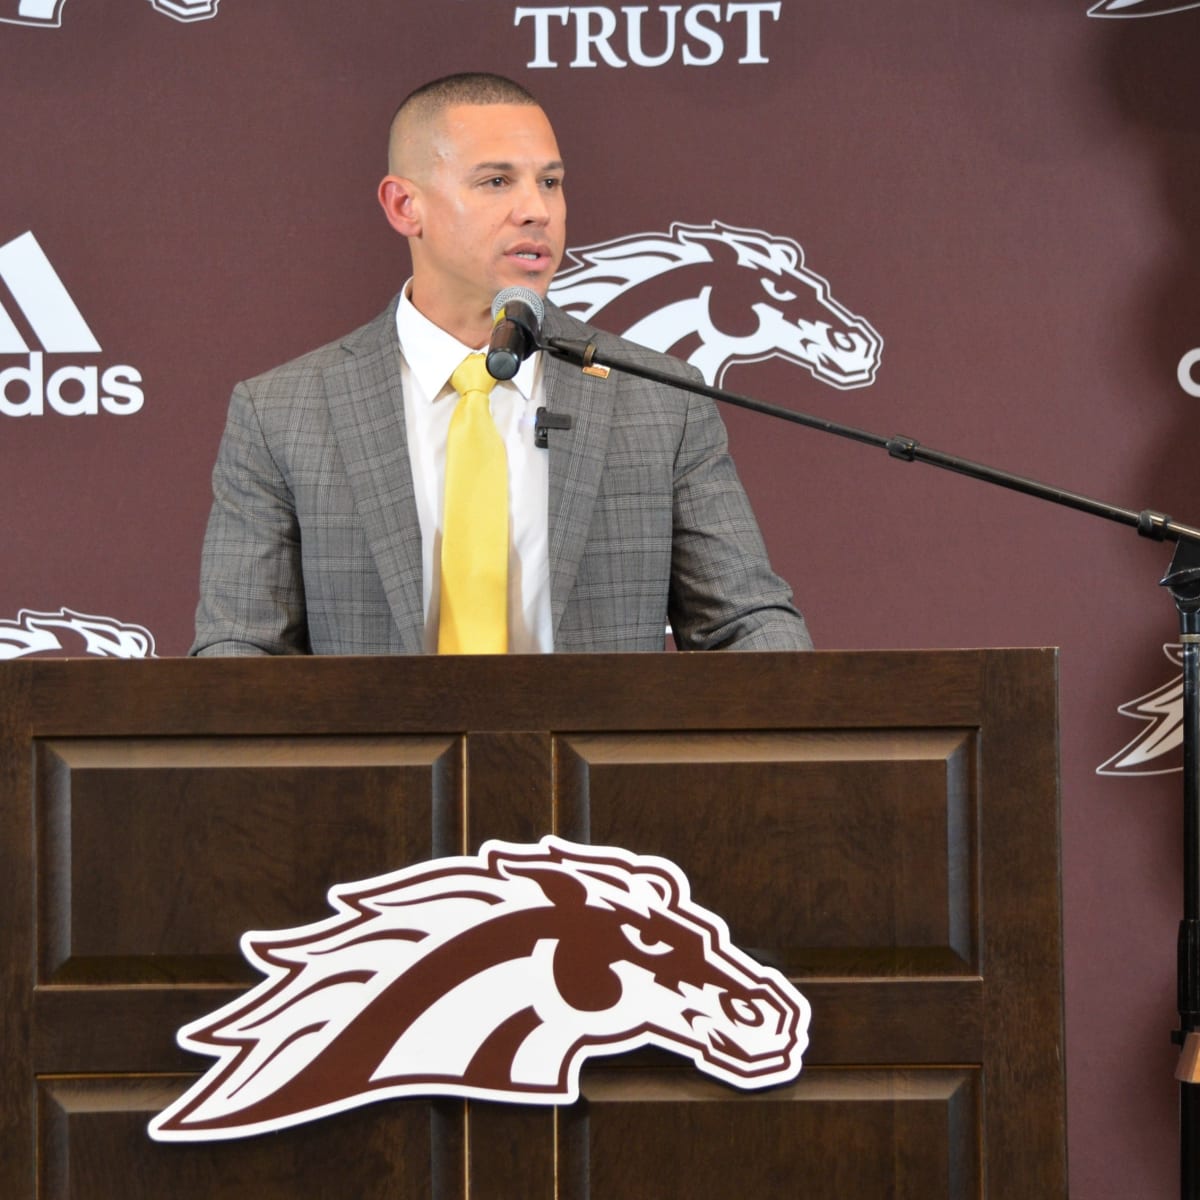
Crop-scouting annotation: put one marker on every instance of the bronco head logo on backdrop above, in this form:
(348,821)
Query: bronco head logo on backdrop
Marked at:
(1155,751)
(492,977)
(717,295)
(49,12)
(46,634)
(1140,8)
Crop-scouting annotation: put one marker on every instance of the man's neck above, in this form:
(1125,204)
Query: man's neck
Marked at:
(472,327)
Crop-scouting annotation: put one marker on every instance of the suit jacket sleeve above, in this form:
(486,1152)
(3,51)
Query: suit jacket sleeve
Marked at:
(252,591)
(723,593)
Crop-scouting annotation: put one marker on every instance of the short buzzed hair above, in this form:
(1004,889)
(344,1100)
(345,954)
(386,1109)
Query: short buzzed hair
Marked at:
(470,87)
(427,102)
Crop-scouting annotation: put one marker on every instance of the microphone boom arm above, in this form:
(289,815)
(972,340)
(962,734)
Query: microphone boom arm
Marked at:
(1147,522)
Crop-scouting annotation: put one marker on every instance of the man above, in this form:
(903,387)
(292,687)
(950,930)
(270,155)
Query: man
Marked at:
(326,529)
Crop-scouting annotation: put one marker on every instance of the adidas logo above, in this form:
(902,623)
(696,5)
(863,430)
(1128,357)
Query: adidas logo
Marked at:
(52,320)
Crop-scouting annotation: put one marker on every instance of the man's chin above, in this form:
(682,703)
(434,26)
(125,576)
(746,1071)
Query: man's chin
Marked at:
(534,276)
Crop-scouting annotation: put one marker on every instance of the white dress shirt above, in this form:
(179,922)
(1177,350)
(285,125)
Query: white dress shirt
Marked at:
(428,357)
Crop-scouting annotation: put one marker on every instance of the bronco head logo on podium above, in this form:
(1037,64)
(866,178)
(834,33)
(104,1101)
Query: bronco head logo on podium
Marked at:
(491,977)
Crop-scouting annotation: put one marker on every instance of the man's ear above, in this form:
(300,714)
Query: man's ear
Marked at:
(397,197)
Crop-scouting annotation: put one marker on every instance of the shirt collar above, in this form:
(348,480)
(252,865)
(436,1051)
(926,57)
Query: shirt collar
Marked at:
(432,354)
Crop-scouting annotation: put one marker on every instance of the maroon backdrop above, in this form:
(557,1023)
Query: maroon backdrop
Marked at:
(1002,193)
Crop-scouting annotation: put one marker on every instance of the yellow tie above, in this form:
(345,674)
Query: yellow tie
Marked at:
(474,601)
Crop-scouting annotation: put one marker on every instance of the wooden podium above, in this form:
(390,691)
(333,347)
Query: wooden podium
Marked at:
(883,827)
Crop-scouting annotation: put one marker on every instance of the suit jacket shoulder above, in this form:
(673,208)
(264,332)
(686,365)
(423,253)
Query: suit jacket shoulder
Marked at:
(313,543)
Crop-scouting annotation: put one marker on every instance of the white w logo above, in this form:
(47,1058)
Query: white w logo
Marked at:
(718,295)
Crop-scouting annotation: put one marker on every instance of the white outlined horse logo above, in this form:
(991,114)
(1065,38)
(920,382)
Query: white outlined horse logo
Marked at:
(1140,8)
(491,977)
(70,632)
(1155,750)
(719,295)
(48,13)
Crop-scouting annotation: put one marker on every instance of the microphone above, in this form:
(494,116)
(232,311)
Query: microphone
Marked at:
(517,316)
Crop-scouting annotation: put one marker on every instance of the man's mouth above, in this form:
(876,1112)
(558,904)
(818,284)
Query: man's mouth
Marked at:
(536,256)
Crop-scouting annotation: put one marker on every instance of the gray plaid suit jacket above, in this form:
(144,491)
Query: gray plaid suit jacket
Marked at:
(313,544)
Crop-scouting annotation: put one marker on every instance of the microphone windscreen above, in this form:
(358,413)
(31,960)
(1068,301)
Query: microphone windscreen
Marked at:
(525,295)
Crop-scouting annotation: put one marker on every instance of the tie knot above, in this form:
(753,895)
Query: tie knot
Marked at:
(471,375)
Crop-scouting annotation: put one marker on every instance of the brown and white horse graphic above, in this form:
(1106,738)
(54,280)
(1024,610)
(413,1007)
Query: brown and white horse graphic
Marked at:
(1140,8)
(67,632)
(1156,749)
(49,13)
(717,295)
(492,977)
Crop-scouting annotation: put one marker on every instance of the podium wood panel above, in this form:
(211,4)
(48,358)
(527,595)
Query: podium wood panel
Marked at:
(882,827)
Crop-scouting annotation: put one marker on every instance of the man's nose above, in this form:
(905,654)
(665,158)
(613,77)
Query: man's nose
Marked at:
(531,205)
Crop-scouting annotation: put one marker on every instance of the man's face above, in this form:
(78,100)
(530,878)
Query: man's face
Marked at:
(490,210)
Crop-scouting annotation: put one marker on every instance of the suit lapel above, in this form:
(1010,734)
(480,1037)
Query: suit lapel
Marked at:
(366,406)
(576,459)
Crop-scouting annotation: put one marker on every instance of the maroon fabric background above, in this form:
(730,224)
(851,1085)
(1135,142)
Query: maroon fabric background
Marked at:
(1006,190)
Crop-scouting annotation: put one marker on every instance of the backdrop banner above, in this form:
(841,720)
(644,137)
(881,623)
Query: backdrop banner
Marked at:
(973,223)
